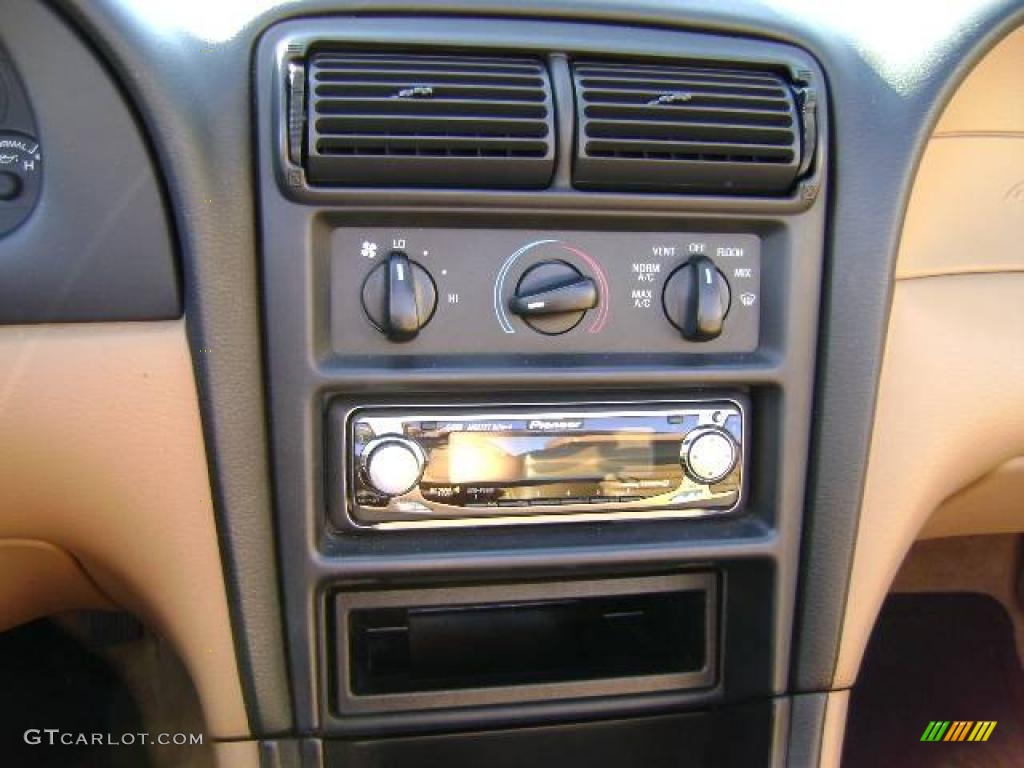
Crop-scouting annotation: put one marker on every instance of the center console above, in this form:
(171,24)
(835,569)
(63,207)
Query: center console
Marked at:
(540,305)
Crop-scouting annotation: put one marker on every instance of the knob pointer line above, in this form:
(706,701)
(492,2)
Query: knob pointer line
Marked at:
(499,284)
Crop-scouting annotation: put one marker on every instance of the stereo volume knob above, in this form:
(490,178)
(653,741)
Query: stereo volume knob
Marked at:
(708,454)
(393,464)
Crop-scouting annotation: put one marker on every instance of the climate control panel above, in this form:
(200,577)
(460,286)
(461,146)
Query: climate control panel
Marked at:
(433,291)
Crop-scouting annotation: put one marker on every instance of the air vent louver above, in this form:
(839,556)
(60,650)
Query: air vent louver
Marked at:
(653,127)
(379,119)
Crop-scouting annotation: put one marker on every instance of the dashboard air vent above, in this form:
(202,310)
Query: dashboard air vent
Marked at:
(649,127)
(385,119)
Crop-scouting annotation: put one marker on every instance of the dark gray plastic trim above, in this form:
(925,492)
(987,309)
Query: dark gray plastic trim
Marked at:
(99,245)
(205,154)
(736,736)
(806,721)
(553,39)
(382,168)
(170,70)
(304,375)
(21,162)
(761,176)
(343,603)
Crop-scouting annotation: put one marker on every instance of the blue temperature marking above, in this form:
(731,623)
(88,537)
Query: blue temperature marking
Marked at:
(499,309)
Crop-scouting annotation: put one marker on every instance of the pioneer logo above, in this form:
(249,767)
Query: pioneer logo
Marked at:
(547,426)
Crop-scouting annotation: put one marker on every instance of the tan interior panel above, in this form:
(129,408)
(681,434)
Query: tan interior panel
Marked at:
(991,98)
(37,579)
(834,729)
(950,409)
(966,212)
(237,754)
(102,456)
(992,504)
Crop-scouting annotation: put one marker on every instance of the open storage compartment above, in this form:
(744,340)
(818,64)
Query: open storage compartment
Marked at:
(421,649)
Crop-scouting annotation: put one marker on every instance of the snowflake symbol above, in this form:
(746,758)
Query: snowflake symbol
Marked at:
(369,250)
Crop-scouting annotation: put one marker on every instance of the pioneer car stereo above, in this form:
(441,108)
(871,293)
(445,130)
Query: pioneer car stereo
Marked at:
(445,466)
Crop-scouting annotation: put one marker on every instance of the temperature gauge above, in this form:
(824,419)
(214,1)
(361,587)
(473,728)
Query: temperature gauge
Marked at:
(21,171)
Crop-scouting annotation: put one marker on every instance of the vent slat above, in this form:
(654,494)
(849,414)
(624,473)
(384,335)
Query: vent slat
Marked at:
(665,127)
(403,125)
(682,116)
(429,120)
(443,108)
(433,146)
(426,62)
(665,84)
(389,90)
(665,131)
(721,149)
(419,77)
(661,75)
(697,99)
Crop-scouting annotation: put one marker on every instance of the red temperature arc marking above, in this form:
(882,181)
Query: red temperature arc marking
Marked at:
(602,311)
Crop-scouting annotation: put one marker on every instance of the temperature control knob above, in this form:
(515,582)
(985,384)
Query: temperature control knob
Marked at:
(399,297)
(696,299)
(708,454)
(553,296)
(393,464)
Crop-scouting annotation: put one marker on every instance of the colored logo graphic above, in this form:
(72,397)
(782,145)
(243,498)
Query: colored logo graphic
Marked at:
(959,730)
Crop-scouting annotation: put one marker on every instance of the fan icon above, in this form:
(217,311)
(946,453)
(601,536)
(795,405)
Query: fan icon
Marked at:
(369,250)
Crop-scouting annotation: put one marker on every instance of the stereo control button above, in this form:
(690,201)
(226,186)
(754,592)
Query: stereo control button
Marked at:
(393,465)
(708,454)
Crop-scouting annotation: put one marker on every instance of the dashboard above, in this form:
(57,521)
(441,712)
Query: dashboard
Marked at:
(491,380)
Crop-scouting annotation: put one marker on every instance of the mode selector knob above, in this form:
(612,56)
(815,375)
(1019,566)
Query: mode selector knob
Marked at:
(696,299)
(708,454)
(393,464)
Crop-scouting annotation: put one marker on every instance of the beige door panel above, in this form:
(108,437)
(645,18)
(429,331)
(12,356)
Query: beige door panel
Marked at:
(950,408)
(38,579)
(992,504)
(237,754)
(102,456)
(991,98)
(834,729)
(966,212)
